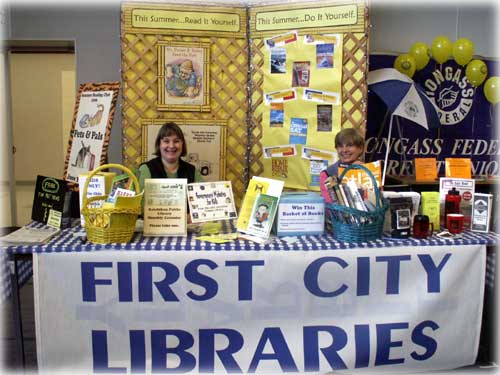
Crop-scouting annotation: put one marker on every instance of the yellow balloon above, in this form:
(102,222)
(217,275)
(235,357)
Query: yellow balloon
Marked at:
(441,48)
(422,54)
(406,64)
(491,90)
(476,72)
(463,49)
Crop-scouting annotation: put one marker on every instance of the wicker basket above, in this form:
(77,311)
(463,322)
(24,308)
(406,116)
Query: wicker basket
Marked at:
(110,224)
(366,226)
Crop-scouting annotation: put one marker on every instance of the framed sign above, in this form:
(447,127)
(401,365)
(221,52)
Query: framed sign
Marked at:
(205,142)
(183,76)
(89,138)
(211,201)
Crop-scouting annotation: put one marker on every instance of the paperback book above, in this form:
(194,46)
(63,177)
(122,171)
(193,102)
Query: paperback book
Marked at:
(246,220)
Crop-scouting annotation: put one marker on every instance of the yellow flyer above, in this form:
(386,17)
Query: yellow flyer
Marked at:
(361,177)
(257,185)
(425,169)
(458,167)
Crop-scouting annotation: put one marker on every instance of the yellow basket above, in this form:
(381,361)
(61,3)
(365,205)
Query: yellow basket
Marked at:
(111,224)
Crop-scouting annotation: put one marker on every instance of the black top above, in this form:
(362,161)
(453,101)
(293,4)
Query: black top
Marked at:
(185,170)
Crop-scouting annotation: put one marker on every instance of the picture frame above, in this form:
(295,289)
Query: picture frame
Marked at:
(183,76)
(205,141)
(91,128)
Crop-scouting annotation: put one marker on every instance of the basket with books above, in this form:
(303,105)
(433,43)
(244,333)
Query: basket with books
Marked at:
(111,223)
(357,216)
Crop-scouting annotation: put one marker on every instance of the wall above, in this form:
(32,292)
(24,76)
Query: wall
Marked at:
(96,31)
(395,27)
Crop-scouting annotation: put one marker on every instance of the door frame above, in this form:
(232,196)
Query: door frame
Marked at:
(23,46)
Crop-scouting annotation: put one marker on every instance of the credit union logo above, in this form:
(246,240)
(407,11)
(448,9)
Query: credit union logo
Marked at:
(452,93)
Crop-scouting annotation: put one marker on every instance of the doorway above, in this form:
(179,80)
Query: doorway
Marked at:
(42,87)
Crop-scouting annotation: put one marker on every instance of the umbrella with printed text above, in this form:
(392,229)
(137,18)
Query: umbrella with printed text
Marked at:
(403,98)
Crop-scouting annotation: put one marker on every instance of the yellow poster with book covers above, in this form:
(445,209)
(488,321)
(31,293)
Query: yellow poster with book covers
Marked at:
(302,104)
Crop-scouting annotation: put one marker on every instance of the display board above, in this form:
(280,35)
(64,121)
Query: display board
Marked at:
(146,27)
(308,83)
(234,83)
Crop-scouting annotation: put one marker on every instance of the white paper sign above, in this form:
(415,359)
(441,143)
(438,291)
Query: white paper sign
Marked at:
(96,188)
(211,201)
(165,207)
(401,309)
(89,132)
(302,217)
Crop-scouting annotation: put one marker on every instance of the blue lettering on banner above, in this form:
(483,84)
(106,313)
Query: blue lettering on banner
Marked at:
(173,350)
(393,271)
(433,272)
(171,273)
(384,343)
(424,341)
(271,337)
(245,279)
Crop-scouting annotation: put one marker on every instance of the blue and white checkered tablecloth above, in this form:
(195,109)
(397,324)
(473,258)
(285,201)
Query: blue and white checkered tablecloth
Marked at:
(25,271)
(69,241)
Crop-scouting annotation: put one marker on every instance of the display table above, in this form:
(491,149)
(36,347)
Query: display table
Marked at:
(314,305)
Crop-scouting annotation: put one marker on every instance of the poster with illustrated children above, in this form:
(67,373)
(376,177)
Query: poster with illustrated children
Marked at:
(89,137)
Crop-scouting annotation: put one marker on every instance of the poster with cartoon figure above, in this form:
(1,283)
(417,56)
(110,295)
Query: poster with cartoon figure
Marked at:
(91,128)
(262,217)
(183,76)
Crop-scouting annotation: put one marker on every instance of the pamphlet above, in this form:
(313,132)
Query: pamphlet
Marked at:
(28,236)
(465,187)
(257,185)
(458,167)
(165,207)
(481,212)
(121,183)
(430,207)
(361,177)
(96,187)
(211,201)
(425,169)
(263,213)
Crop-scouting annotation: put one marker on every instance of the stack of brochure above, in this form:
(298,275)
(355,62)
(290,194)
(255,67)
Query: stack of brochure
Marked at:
(27,236)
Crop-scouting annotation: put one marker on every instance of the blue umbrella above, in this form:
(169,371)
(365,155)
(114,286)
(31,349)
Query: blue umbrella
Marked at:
(404,98)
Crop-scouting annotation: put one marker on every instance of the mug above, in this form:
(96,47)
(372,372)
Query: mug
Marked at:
(421,225)
(454,223)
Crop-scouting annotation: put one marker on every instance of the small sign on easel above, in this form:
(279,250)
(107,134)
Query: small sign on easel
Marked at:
(51,202)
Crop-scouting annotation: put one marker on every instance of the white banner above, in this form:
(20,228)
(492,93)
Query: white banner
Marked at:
(268,312)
